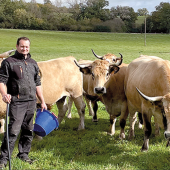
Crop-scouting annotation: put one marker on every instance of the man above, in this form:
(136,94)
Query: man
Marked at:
(20,74)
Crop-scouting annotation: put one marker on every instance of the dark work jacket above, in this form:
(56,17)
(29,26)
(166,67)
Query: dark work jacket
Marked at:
(21,77)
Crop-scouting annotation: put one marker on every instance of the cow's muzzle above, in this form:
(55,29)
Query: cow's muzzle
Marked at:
(167,134)
(99,90)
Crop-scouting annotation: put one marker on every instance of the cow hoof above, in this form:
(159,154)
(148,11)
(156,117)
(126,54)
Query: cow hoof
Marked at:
(144,150)
(168,143)
(131,137)
(145,147)
(140,126)
(91,113)
(56,129)
(81,128)
(122,136)
(110,134)
(94,120)
(69,116)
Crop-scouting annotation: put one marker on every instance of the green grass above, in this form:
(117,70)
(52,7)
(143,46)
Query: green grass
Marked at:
(52,44)
(140,20)
(92,148)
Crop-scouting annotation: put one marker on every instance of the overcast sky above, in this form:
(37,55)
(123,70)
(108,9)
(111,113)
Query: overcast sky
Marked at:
(135,4)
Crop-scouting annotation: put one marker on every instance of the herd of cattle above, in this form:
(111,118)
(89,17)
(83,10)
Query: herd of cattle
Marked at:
(142,87)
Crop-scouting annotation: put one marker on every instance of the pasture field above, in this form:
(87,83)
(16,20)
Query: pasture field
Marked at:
(46,45)
(69,149)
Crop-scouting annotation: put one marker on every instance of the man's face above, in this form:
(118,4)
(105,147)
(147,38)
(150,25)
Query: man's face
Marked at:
(23,47)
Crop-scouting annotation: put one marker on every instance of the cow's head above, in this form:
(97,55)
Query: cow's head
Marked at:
(111,58)
(100,71)
(164,103)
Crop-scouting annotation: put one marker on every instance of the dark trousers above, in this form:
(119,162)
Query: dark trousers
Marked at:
(21,119)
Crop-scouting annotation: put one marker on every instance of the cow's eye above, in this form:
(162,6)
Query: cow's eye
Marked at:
(107,75)
(92,76)
(114,60)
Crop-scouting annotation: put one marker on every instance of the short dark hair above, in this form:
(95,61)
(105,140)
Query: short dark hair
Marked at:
(22,38)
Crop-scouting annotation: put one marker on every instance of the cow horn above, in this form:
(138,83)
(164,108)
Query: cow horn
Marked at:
(119,59)
(151,99)
(6,54)
(76,63)
(99,57)
(82,65)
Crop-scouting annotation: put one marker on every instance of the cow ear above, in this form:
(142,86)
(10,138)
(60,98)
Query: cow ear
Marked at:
(114,68)
(86,70)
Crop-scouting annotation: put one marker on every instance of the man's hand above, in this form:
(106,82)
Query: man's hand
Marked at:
(43,106)
(6,98)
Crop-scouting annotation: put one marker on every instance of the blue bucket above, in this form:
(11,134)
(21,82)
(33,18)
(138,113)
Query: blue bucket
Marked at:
(45,122)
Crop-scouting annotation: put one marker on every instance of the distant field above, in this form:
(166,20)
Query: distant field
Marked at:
(53,44)
(92,148)
(141,20)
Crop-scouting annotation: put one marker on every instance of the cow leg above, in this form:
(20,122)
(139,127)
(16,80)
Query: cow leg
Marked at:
(132,120)
(140,120)
(80,105)
(157,130)
(167,132)
(70,103)
(2,123)
(62,108)
(92,110)
(89,105)
(122,121)
(147,130)
(112,125)
(95,108)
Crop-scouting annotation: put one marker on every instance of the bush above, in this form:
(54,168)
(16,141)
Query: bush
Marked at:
(86,28)
(115,25)
(101,28)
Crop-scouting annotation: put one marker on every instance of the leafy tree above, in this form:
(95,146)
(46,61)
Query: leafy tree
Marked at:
(21,19)
(161,18)
(127,15)
(2,15)
(142,12)
(47,2)
(7,11)
(94,9)
(75,11)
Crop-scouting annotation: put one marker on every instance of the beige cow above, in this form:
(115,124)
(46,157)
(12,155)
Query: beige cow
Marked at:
(110,87)
(61,78)
(92,99)
(147,87)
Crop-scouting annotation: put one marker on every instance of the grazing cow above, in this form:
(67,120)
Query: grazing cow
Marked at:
(151,76)
(110,87)
(92,98)
(61,78)
(3,104)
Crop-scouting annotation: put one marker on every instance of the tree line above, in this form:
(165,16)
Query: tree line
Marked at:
(82,15)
